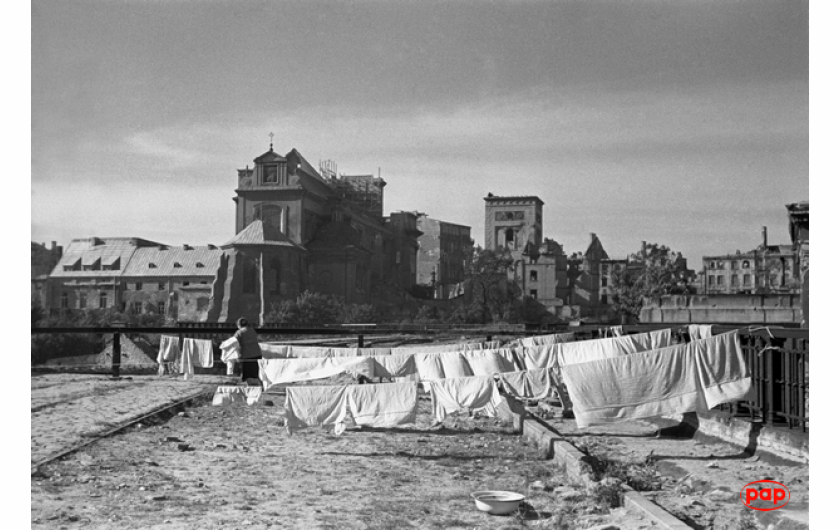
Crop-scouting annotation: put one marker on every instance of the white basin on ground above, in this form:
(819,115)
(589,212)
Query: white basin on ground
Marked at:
(497,502)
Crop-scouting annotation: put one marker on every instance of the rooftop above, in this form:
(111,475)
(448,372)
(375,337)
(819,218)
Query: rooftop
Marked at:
(532,198)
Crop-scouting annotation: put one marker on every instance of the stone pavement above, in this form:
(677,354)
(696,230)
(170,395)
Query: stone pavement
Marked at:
(702,476)
(67,409)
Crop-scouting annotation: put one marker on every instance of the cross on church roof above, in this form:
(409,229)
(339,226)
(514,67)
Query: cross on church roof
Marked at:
(271,139)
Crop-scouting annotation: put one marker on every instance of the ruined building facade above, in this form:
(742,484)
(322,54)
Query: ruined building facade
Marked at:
(297,228)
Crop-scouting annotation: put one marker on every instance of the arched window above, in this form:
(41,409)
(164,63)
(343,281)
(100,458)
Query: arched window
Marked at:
(249,277)
(745,264)
(510,238)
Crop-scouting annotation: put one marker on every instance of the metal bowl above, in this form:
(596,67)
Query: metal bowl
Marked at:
(497,502)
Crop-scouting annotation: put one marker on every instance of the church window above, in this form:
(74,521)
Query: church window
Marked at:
(270,174)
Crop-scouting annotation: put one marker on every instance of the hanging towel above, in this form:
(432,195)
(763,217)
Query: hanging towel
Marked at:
(487,362)
(545,340)
(346,352)
(308,352)
(230,350)
(282,371)
(474,393)
(697,331)
(168,353)
(722,369)
(383,405)
(529,384)
(311,406)
(489,345)
(454,365)
(199,352)
(435,348)
(169,350)
(539,356)
(392,366)
(429,366)
(593,350)
(185,363)
(511,359)
(376,352)
(651,383)
(274,351)
(227,395)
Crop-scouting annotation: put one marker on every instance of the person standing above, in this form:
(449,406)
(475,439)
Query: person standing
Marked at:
(250,352)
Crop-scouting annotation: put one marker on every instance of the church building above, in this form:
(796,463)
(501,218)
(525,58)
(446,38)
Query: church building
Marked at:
(297,228)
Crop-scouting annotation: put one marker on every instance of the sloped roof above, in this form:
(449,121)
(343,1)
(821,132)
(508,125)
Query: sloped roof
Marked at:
(93,249)
(533,198)
(798,207)
(305,165)
(269,156)
(260,233)
(595,251)
(174,261)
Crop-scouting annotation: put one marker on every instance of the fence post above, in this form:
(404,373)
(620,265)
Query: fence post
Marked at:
(768,405)
(361,341)
(116,355)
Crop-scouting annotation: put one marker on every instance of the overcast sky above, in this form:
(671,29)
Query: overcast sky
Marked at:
(681,122)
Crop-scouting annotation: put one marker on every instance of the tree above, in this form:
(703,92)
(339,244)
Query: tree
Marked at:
(494,293)
(656,271)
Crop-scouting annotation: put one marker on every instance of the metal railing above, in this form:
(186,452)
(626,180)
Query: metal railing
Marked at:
(777,356)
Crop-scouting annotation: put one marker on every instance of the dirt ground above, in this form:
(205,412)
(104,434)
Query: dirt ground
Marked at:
(236,467)
(701,476)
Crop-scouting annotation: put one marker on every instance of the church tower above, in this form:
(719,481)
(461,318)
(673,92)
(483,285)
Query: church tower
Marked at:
(514,223)
(285,192)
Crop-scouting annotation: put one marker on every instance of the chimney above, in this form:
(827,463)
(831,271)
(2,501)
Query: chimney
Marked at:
(764,237)
(592,237)
(52,245)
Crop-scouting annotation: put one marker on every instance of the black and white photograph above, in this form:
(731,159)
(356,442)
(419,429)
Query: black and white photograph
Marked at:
(504,264)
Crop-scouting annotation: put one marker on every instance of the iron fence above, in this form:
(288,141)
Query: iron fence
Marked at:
(777,356)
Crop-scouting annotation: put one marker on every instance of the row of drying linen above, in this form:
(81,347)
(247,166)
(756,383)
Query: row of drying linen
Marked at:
(692,377)
(433,365)
(391,404)
(284,351)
